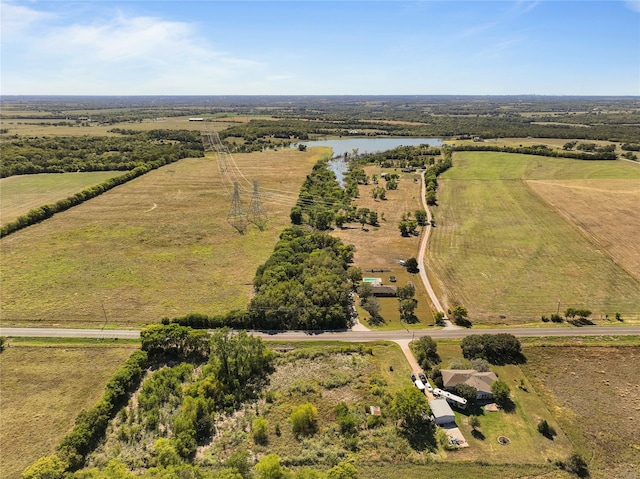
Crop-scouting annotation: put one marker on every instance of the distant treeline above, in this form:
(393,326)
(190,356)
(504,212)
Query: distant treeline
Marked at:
(260,134)
(21,156)
(541,150)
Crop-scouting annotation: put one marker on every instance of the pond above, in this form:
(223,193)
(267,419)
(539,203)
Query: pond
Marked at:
(365,146)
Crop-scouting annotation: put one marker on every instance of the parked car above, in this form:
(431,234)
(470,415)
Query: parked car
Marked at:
(413,378)
(422,377)
(392,279)
(428,386)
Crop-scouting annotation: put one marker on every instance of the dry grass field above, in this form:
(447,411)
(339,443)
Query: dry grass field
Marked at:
(157,246)
(48,127)
(594,393)
(381,247)
(44,386)
(606,211)
(19,194)
(505,254)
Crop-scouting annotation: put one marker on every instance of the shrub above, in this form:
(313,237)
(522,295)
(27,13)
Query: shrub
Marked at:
(303,419)
(259,431)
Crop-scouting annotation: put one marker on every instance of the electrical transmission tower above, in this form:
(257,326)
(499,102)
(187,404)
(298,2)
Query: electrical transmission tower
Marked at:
(237,217)
(257,214)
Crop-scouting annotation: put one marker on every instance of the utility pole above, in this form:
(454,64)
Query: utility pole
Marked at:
(237,217)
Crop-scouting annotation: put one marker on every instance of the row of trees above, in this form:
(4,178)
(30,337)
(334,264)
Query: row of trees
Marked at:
(541,150)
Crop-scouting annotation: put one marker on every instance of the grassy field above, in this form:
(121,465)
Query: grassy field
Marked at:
(500,250)
(605,211)
(381,247)
(157,246)
(527,444)
(44,385)
(19,194)
(48,127)
(594,393)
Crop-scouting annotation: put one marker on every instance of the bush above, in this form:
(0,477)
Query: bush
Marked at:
(259,431)
(546,429)
(303,419)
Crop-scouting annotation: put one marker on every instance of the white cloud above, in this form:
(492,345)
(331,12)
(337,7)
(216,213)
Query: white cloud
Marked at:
(14,19)
(123,54)
(633,5)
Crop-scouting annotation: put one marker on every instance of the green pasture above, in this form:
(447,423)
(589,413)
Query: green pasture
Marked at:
(19,194)
(503,253)
(157,246)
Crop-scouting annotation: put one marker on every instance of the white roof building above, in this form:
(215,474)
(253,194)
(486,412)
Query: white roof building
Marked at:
(441,412)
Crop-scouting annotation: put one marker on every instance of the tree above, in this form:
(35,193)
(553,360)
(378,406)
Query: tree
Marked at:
(425,350)
(406,292)
(501,392)
(408,227)
(467,392)
(411,409)
(406,307)
(372,306)
(421,217)
(48,467)
(480,365)
(459,314)
(373,218)
(296,215)
(412,265)
(268,467)
(365,290)
(303,419)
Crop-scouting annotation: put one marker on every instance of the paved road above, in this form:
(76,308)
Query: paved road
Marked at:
(352,336)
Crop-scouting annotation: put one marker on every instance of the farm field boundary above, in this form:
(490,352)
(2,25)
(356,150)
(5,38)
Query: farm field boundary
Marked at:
(503,253)
(19,194)
(119,260)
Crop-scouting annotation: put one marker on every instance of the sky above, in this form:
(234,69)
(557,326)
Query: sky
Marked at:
(362,47)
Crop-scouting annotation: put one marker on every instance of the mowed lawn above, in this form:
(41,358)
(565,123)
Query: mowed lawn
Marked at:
(44,386)
(501,251)
(19,194)
(157,246)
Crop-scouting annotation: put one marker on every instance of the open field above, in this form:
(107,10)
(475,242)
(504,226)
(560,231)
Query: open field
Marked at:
(19,194)
(507,256)
(157,246)
(381,247)
(44,386)
(594,393)
(49,127)
(606,211)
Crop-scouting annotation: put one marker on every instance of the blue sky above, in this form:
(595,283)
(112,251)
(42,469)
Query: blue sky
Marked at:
(303,47)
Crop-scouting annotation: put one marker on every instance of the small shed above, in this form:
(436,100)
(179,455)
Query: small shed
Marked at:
(441,412)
